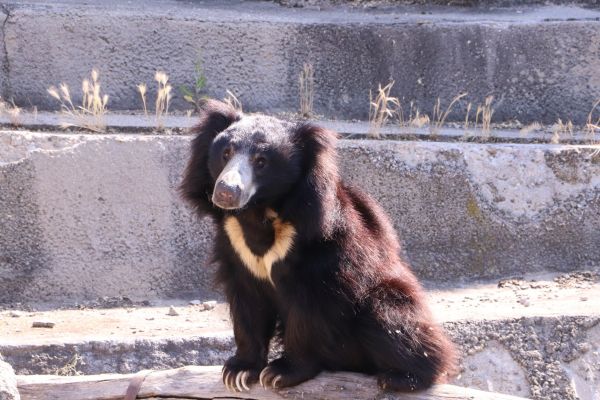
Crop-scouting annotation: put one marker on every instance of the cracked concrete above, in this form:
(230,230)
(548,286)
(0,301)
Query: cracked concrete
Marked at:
(536,349)
(109,244)
(496,370)
(6,91)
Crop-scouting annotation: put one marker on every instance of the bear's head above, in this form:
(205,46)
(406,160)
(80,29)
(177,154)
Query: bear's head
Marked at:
(243,161)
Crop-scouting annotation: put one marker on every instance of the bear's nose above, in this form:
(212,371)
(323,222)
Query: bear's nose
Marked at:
(227,195)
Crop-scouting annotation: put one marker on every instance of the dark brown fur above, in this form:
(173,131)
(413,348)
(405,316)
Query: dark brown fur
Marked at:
(342,298)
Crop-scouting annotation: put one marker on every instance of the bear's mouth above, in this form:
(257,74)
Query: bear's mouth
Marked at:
(235,185)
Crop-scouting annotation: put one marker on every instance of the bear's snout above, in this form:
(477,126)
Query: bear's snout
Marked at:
(227,196)
(235,184)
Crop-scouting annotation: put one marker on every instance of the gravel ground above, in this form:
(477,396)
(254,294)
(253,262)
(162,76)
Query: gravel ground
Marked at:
(533,336)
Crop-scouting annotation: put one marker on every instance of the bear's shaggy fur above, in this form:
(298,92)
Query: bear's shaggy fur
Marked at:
(311,260)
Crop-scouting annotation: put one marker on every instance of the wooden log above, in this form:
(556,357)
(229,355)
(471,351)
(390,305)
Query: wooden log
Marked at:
(197,382)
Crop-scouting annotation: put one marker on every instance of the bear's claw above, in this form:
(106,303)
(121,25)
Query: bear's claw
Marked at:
(236,381)
(269,378)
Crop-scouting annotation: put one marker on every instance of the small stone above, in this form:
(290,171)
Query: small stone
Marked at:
(15,314)
(524,302)
(583,298)
(172,312)
(195,302)
(42,324)
(209,305)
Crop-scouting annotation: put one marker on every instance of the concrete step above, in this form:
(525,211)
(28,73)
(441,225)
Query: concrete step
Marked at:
(86,216)
(538,61)
(535,336)
(179,124)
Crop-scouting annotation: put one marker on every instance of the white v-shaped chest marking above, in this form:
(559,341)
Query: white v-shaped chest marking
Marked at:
(260,266)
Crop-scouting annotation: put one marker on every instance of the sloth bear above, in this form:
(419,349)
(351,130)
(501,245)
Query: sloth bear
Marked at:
(306,258)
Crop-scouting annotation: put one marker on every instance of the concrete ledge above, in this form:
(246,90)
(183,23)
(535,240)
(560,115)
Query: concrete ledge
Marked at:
(536,337)
(540,358)
(540,63)
(178,124)
(86,216)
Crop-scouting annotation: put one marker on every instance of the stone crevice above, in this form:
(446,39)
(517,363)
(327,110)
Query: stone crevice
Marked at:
(6,89)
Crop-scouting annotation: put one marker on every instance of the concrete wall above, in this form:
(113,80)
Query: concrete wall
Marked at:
(98,217)
(85,216)
(540,63)
(470,210)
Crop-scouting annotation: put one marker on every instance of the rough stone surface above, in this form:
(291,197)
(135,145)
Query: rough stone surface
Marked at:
(97,357)
(86,216)
(584,372)
(4,62)
(494,370)
(8,382)
(538,62)
(87,220)
(539,348)
(524,356)
(470,210)
(543,348)
(462,3)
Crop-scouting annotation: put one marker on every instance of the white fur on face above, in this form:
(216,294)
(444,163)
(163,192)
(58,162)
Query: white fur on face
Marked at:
(238,172)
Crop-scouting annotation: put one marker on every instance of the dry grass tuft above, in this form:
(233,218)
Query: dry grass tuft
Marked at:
(90,114)
(70,368)
(143,89)
(438,117)
(591,126)
(560,129)
(381,108)
(419,120)
(163,97)
(527,129)
(415,118)
(307,90)
(486,111)
(233,101)
(466,125)
(13,112)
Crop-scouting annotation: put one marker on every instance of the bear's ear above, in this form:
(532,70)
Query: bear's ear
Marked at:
(197,185)
(313,205)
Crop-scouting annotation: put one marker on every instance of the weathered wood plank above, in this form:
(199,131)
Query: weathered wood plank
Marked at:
(197,382)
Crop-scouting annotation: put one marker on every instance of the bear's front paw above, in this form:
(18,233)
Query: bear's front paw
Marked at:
(237,377)
(281,373)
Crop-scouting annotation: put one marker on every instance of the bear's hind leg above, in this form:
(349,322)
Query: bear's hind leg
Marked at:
(405,363)
(406,348)
(401,381)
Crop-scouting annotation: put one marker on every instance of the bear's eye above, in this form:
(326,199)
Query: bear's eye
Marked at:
(260,162)
(227,153)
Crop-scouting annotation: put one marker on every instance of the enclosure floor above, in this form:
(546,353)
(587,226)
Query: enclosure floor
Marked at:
(543,295)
